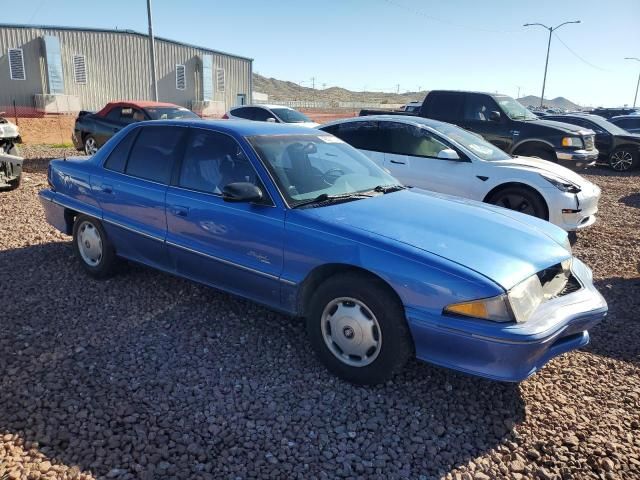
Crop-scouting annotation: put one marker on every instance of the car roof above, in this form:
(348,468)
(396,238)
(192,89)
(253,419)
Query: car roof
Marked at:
(134,103)
(263,105)
(245,128)
(470,91)
(406,119)
(618,117)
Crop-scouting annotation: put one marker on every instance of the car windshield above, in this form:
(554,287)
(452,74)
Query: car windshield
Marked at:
(170,113)
(288,115)
(513,109)
(472,142)
(607,126)
(307,166)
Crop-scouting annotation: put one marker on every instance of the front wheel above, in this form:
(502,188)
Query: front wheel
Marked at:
(92,247)
(521,200)
(358,329)
(623,159)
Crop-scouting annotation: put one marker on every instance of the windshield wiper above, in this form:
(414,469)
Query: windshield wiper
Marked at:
(323,197)
(389,188)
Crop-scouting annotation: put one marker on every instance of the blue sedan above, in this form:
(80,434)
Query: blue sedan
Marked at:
(299,221)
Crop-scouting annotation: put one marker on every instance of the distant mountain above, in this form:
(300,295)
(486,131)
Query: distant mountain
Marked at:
(558,102)
(281,90)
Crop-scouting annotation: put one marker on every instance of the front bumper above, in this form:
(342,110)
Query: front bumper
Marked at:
(572,211)
(576,159)
(510,352)
(10,169)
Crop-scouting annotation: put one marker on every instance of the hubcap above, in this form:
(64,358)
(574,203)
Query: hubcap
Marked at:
(90,146)
(89,244)
(517,203)
(621,160)
(351,331)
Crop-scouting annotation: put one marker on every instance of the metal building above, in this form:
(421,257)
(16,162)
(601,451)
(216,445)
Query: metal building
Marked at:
(65,69)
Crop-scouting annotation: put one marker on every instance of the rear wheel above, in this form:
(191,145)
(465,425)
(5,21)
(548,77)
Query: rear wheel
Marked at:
(358,328)
(90,145)
(623,159)
(521,200)
(93,248)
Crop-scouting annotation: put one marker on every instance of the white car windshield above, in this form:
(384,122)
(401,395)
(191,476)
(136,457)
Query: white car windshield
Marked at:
(472,142)
(308,166)
(288,115)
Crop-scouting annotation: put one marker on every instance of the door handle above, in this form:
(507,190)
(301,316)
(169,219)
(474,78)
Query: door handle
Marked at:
(106,189)
(179,210)
(397,162)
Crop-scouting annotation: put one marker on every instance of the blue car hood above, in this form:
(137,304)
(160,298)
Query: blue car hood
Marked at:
(503,245)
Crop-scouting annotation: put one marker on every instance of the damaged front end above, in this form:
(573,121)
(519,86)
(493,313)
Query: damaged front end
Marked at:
(10,161)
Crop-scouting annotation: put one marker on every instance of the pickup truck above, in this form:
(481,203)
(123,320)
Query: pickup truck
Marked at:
(92,130)
(504,122)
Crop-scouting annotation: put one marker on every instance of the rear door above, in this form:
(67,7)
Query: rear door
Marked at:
(444,106)
(132,192)
(411,155)
(237,247)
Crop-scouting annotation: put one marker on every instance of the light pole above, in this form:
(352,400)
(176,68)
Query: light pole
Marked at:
(546,64)
(637,84)
(152,54)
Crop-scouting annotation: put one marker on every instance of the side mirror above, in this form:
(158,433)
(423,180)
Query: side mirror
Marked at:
(494,116)
(271,120)
(241,192)
(448,154)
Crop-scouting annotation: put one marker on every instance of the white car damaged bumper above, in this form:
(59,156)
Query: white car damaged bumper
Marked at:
(574,211)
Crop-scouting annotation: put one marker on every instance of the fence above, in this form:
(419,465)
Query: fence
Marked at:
(50,119)
(327,105)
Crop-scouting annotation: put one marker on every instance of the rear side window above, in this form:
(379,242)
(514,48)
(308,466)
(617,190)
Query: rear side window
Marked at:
(154,153)
(242,113)
(118,157)
(114,114)
(403,139)
(445,106)
(360,135)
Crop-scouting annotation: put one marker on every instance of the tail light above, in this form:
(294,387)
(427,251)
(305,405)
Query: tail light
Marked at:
(225,117)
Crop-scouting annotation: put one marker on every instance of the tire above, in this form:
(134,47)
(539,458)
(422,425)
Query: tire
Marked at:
(377,321)
(90,145)
(522,200)
(623,159)
(15,183)
(539,152)
(573,238)
(97,255)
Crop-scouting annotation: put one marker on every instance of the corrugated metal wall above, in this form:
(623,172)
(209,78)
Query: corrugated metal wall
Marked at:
(117,68)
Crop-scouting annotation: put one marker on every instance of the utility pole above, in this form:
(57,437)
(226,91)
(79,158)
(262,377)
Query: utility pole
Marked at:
(152,54)
(546,64)
(637,84)
(313,82)
(518,92)
(398,88)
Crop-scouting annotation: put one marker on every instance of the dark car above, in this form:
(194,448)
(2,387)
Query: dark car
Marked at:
(613,112)
(92,130)
(618,148)
(630,123)
(504,122)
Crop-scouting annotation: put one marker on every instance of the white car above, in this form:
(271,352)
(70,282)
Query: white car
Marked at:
(270,113)
(445,158)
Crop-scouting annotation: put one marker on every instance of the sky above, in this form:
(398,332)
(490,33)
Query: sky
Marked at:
(391,45)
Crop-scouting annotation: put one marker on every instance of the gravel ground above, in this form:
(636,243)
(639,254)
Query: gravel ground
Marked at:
(149,376)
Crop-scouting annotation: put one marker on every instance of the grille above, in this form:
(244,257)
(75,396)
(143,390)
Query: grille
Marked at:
(588,142)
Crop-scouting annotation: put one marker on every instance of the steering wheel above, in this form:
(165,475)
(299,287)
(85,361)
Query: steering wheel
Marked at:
(330,176)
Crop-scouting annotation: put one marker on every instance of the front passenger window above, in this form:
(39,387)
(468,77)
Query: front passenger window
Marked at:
(213,160)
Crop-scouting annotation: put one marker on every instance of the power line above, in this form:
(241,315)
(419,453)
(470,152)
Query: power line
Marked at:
(443,21)
(578,56)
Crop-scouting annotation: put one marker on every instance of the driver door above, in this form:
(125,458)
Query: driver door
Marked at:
(477,118)
(411,155)
(237,247)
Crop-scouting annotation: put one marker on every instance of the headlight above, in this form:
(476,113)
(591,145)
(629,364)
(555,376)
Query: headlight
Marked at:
(525,297)
(562,185)
(494,308)
(518,305)
(572,142)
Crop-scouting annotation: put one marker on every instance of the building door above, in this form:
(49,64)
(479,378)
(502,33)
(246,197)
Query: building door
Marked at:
(241,99)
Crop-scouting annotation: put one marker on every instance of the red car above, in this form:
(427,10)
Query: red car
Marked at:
(92,130)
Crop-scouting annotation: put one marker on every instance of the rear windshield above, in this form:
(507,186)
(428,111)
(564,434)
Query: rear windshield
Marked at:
(169,113)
